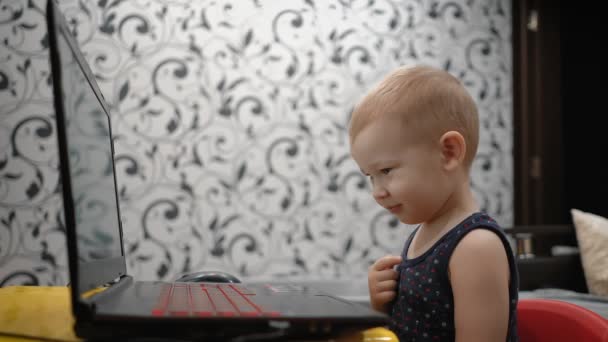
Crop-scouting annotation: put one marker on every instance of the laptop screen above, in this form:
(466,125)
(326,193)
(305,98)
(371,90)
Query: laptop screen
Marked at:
(90,155)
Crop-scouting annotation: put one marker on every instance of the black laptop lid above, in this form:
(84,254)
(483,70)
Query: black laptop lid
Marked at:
(94,233)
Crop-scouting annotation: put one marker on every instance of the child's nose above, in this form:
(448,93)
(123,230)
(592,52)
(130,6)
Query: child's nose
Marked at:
(379,192)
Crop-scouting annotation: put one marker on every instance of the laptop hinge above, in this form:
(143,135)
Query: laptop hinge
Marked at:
(89,304)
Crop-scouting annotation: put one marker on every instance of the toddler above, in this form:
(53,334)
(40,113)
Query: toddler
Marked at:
(415,136)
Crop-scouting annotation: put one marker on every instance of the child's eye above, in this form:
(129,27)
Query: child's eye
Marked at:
(386,171)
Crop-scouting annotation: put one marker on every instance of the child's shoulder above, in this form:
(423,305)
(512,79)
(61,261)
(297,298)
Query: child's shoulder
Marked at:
(480,243)
(478,231)
(478,235)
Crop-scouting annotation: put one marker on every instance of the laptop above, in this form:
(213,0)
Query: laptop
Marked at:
(107,302)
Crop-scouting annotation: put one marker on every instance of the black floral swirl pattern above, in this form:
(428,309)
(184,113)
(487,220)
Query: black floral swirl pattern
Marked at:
(229,119)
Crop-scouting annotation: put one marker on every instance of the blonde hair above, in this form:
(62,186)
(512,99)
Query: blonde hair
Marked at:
(427,99)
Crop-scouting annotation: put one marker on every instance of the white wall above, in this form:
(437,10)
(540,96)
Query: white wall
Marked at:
(230,127)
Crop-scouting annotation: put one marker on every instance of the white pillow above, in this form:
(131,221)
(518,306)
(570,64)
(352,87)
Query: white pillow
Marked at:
(592,235)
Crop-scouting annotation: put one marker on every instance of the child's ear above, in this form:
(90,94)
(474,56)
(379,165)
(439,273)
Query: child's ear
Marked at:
(453,149)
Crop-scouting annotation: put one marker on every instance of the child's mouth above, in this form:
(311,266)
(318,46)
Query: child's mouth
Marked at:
(395,208)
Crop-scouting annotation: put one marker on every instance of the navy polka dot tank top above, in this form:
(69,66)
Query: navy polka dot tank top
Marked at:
(424,307)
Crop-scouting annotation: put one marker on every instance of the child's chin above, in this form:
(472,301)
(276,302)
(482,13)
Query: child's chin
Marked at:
(405,220)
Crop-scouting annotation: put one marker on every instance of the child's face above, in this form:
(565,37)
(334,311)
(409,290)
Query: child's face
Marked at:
(406,173)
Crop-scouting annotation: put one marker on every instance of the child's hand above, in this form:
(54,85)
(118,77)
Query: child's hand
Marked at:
(382,282)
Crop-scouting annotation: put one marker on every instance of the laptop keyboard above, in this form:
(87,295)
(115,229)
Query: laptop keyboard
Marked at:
(209,300)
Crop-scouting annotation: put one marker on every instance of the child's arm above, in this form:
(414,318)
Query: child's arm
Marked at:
(479,275)
(382,282)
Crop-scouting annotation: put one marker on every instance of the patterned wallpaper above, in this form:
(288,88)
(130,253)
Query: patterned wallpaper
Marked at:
(230,127)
